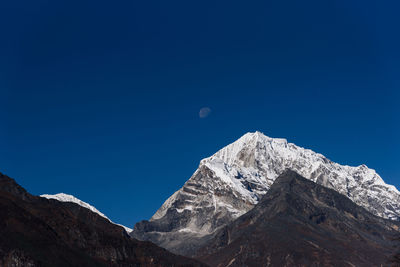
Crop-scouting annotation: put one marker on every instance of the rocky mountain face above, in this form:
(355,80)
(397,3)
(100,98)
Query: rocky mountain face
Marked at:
(36,231)
(301,223)
(232,181)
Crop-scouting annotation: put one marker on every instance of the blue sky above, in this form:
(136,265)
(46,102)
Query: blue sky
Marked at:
(101,99)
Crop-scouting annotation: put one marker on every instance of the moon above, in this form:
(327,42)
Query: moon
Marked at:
(204,112)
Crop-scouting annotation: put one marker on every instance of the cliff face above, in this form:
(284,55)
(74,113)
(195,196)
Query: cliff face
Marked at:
(39,232)
(301,223)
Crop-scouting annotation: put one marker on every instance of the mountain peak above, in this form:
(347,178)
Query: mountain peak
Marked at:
(299,222)
(286,177)
(257,135)
(233,180)
(246,142)
(39,232)
(62,197)
(70,198)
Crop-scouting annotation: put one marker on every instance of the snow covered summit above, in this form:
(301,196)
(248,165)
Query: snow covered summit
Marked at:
(232,181)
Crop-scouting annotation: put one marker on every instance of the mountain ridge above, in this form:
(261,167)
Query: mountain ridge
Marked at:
(229,183)
(36,231)
(70,198)
(301,223)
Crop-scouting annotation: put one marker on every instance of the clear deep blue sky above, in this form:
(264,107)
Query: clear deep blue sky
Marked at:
(101,99)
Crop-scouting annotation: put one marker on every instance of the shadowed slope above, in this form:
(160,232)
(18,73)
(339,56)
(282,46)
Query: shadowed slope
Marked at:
(36,231)
(301,223)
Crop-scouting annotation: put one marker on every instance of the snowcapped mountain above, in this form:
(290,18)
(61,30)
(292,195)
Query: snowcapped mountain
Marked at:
(70,198)
(232,181)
